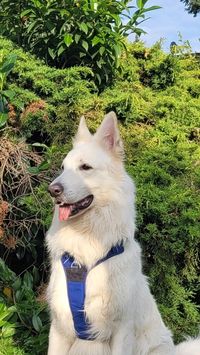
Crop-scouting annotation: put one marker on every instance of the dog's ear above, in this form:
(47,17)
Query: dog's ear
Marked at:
(83,133)
(108,134)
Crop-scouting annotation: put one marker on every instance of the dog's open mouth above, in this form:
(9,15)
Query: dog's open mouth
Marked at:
(68,210)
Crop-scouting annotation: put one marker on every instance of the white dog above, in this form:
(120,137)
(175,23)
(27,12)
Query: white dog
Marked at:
(92,248)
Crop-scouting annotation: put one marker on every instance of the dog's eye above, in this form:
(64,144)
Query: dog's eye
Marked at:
(85,167)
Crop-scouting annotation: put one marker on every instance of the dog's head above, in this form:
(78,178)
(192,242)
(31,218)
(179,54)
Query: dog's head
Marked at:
(92,170)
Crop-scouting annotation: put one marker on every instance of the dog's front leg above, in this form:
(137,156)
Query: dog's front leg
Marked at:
(58,343)
(122,340)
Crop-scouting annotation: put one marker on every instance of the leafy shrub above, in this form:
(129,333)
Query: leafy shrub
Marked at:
(42,94)
(34,118)
(28,317)
(8,347)
(79,32)
(167,179)
(6,328)
(157,69)
(163,75)
(130,105)
(6,65)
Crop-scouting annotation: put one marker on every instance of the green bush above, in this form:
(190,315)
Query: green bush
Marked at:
(6,65)
(22,315)
(42,94)
(7,347)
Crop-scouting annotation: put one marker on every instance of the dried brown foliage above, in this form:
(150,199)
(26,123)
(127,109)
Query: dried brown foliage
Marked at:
(12,115)
(15,182)
(33,108)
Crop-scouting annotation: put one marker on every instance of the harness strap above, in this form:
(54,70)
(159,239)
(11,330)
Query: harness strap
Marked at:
(76,278)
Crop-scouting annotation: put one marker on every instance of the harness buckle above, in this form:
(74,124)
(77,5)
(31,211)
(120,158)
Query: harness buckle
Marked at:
(75,265)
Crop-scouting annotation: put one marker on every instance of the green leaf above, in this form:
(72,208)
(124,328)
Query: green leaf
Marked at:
(139,3)
(77,37)
(85,45)
(98,78)
(41,167)
(60,50)
(18,295)
(26,12)
(42,145)
(99,64)
(37,323)
(28,279)
(117,50)
(81,54)
(9,93)
(51,53)
(96,40)
(152,8)
(12,57)
(44,165)
(37,3)
(8,330)
(94,55)
(32,25)
(64,12)
(139,31)
(19,104)
(3,119)
(102,50)
(8,63)
(17,284)
(6,68)
(5,313)
(33,170)
(83,27)
(68,39)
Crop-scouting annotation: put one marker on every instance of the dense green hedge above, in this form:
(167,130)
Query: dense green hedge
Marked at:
(156,98)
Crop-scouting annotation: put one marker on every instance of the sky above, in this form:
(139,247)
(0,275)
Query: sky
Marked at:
(168,22)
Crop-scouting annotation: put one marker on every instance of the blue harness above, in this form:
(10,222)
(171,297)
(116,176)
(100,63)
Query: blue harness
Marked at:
(76,277)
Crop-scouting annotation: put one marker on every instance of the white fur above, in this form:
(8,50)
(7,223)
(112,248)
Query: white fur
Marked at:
(118,304)
(189,347)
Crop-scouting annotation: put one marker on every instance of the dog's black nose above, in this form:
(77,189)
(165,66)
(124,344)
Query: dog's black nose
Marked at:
(55,190)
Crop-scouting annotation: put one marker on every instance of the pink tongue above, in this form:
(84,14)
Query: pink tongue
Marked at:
(64,213)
